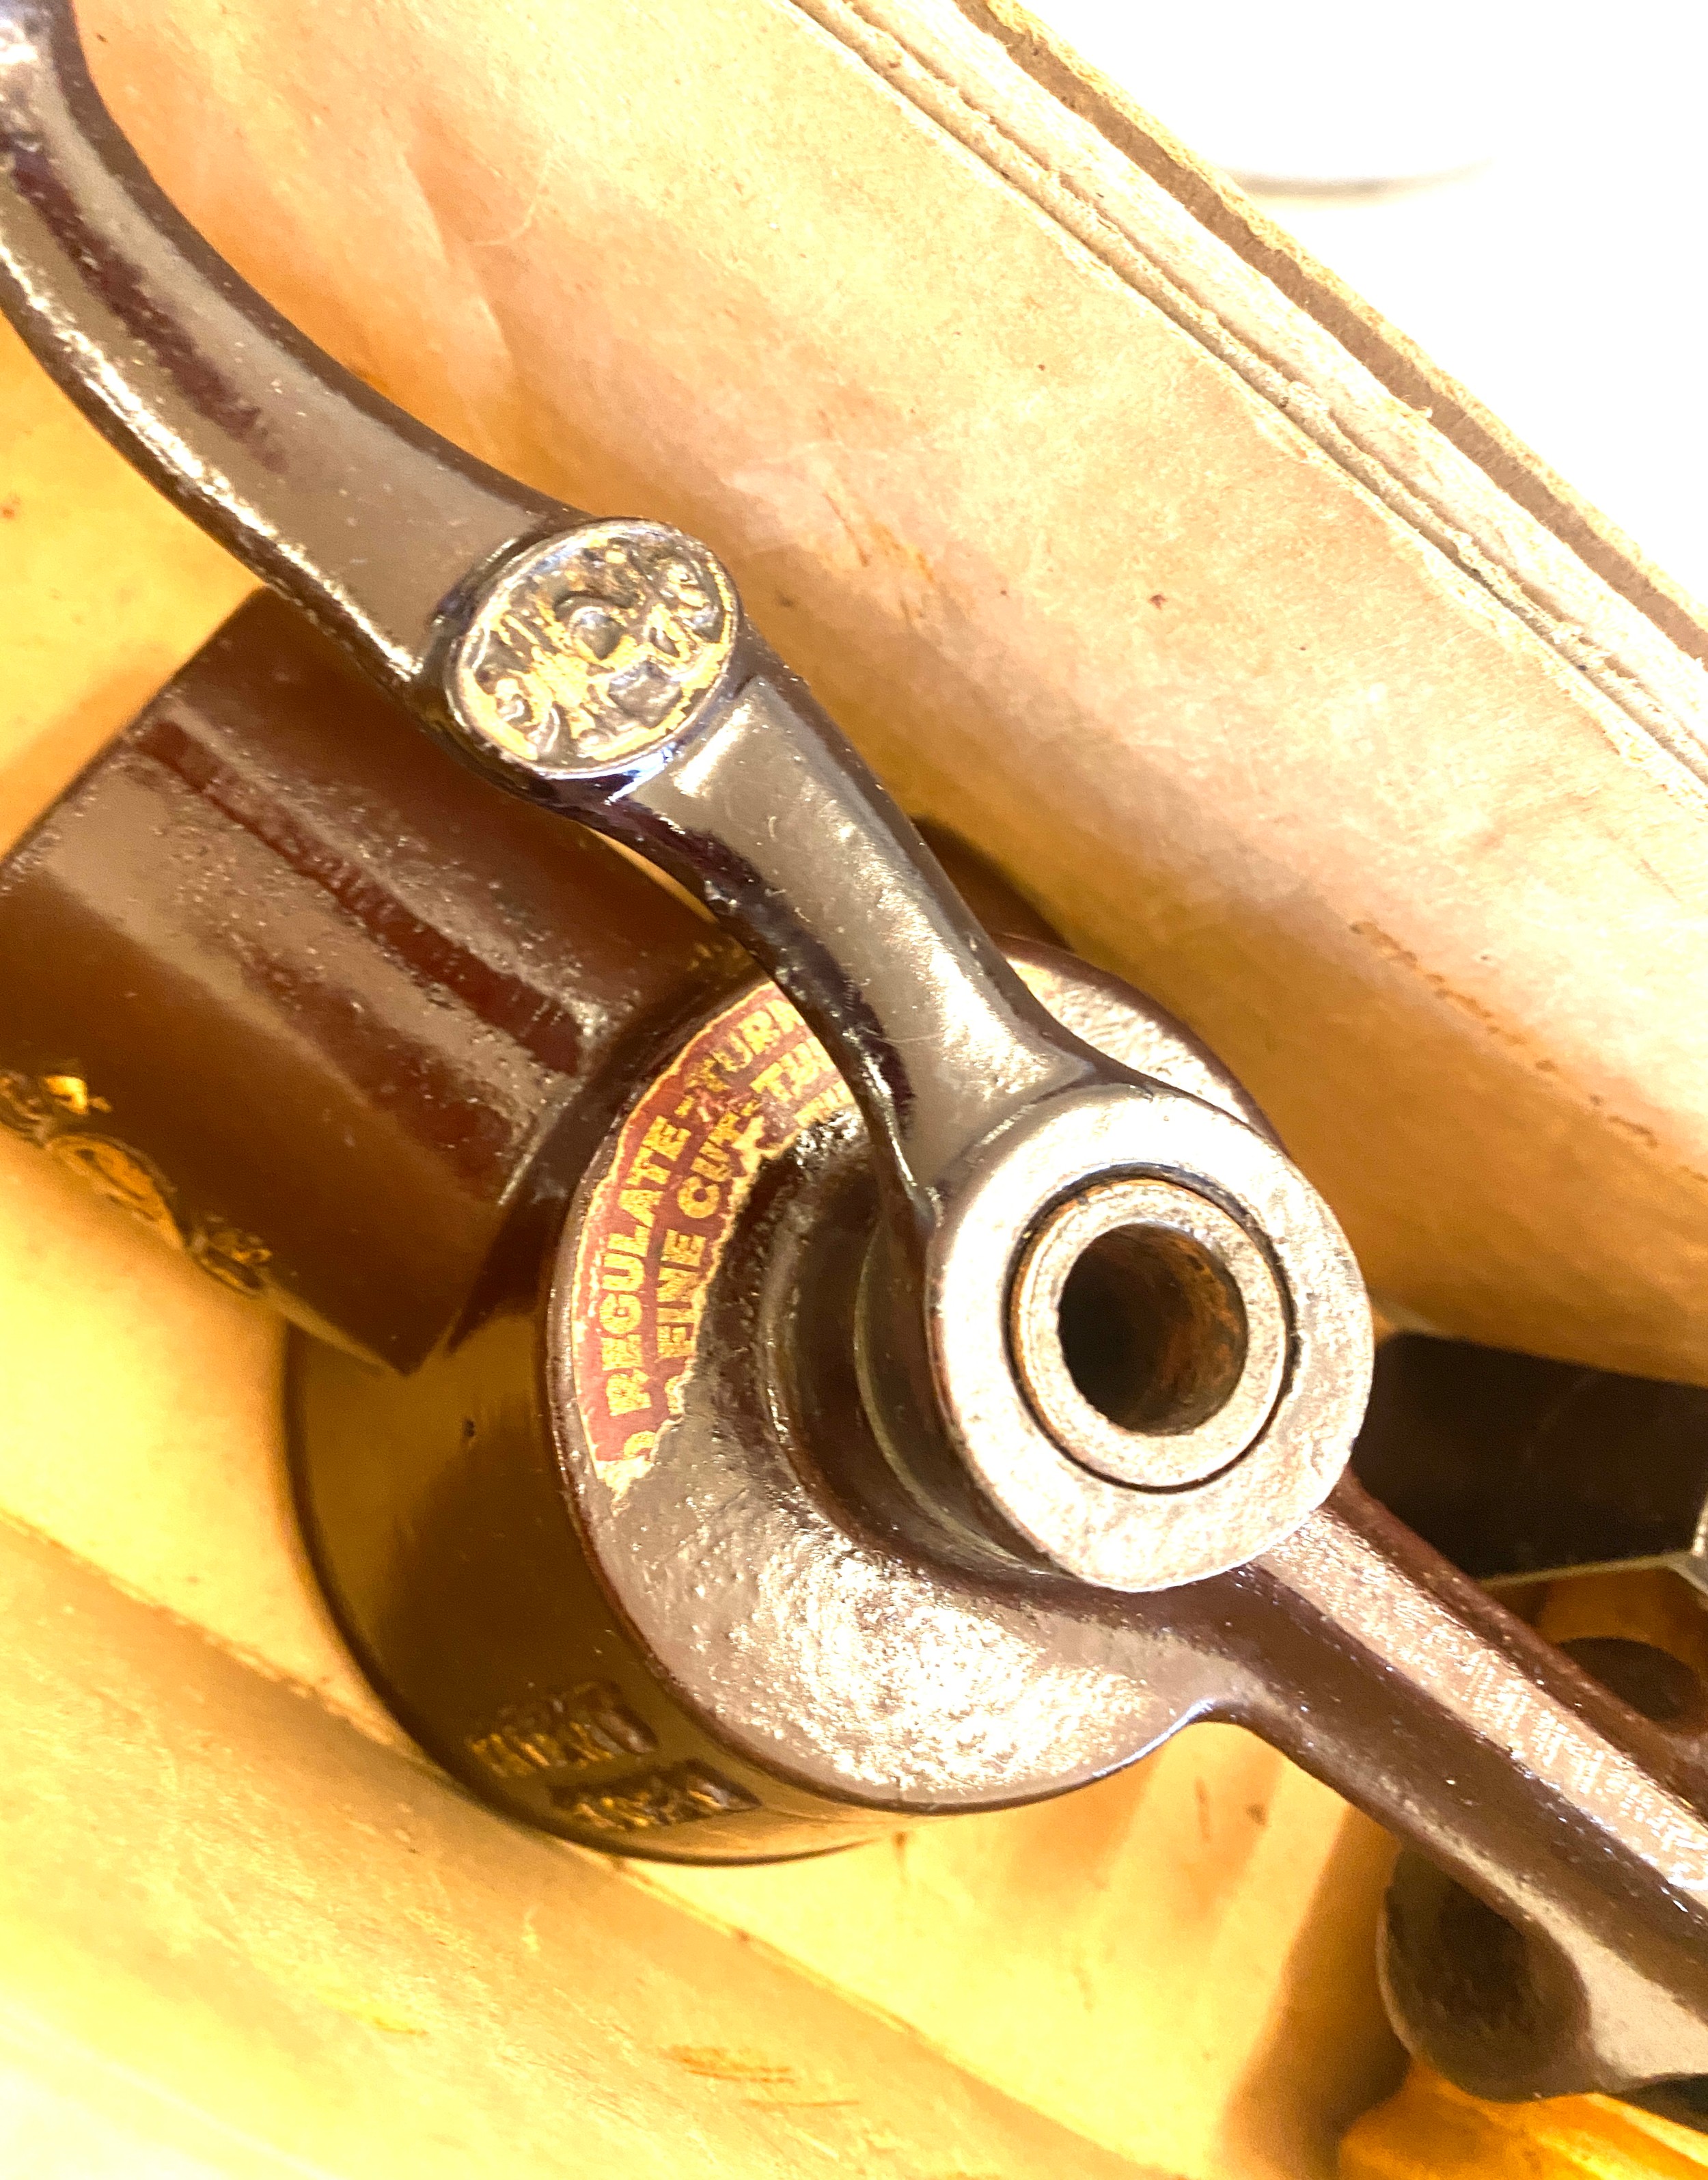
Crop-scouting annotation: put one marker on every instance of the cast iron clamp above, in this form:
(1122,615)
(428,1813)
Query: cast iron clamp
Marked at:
(1189,1483)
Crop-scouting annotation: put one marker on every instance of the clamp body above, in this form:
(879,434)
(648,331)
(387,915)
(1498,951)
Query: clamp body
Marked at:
(794,1370)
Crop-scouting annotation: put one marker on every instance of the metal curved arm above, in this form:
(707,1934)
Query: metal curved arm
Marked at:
(381,530)
(365,520)
(780,829)
(604,669)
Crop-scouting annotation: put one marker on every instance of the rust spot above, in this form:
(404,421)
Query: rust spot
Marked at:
(8,509)
(1157,598)
(1402,957)
(782,2089)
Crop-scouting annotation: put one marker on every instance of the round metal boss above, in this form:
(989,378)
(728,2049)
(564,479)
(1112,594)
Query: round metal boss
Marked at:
(593,648)
(1104,1526)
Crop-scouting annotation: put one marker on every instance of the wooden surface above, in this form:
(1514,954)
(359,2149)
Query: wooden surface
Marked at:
(252,1940)
(1431,2131)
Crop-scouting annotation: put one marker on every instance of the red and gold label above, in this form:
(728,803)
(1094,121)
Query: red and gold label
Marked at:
(661,1213)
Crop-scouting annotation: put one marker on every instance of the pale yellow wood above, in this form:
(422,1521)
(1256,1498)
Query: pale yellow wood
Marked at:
(1431,2131)
(240,1938)
(104,590)
(1179,1962)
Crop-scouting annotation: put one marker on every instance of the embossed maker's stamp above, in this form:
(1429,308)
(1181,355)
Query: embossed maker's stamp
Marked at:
(595,647)
(655,1801)
(568,1733)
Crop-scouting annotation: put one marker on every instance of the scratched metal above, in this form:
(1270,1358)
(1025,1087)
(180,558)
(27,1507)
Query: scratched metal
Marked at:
(1582,1824)
(871,1673)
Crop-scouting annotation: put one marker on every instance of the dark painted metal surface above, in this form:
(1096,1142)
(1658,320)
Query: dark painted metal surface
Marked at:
(765,1603)
(380,530)
(218,401)
(284,979)
(1516,1466)
(1533,1792)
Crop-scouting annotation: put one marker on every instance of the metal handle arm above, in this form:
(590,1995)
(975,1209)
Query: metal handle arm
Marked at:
(382,531)
(367,520)
(604,669)
(787,835)
(1566,1945)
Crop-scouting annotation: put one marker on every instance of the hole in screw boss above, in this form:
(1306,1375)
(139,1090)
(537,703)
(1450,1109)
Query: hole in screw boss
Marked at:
(1153,1329)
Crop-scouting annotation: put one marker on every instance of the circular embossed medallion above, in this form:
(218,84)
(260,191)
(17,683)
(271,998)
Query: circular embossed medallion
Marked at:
(594,647)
